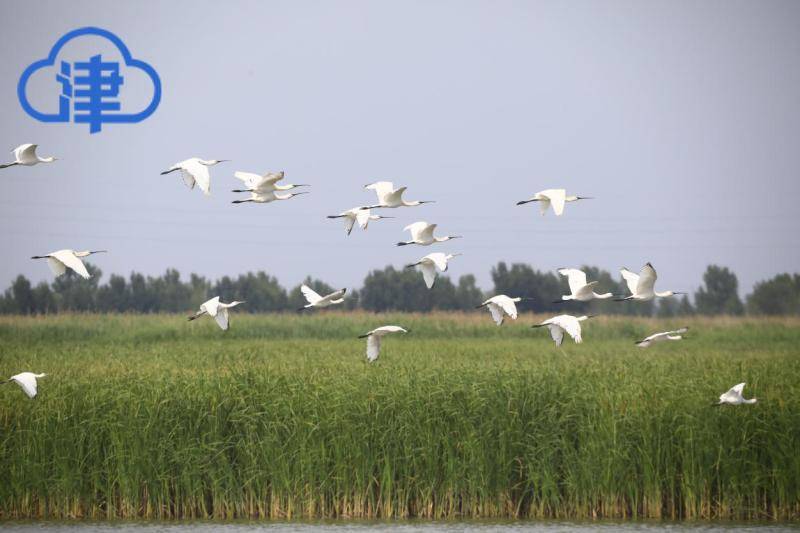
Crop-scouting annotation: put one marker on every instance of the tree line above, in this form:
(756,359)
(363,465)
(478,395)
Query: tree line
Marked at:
(390,289)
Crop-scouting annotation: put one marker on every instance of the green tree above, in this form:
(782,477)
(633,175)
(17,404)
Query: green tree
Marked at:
(22,296)
(720,294)
(523,280)
(777,296)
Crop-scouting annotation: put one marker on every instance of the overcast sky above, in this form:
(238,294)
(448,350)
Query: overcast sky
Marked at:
(682,119)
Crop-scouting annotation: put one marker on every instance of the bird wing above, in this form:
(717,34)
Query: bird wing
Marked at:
(416,229)
(28,383)
(396,196)
(25,153)
(382,189)
(737,389)
(576,278)
(429,273)
(647,279)
(211,306)
(630,278)
(556,333)
(250,179)
(362,215)
(200,174)
(679,331)
(439,259)
(497,313)
(427,233)
(373,347)
(56,267)
(187,177)
(544,204)
(309,294)
(222,318)
(349,221)
(68,258)
(557,198)
(266,183)
(508,305)
(571,325)
(389,329)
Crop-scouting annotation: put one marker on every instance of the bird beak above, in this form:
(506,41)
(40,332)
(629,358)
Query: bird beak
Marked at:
(427,201)
(456,237)
(343,290)
(98,251)
(585,197)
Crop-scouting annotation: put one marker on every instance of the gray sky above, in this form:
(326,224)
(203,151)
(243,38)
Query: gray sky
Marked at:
(681,118)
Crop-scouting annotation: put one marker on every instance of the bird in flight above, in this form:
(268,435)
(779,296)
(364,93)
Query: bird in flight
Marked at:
(62,259)
(388,196)
(579,289)
(422,234)
(734,397)
(428,265)
(195,171)
(25,155)
(552,197)
(264,183)
(374,340)
(642,285)
(315,300)
(27,381)
(560,324)
(501,305)
(362,215)
(674,335)
(217,310)
(267,197)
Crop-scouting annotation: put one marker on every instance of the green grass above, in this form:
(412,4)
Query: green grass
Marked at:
(154,417)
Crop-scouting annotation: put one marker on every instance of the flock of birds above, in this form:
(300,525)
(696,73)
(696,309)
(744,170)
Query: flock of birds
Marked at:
(267,188)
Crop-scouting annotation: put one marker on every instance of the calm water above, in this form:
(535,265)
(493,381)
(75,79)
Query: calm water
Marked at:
(391,527)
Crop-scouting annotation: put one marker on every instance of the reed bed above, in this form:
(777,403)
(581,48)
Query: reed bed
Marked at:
(281,417)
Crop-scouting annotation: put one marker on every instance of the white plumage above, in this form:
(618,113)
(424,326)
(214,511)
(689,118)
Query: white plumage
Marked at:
(556,198)
(388,196)
(374,340)
(422,234)
(428,265)
(500,306)
(217,310)
(674,335)
(362,215)
(560,324)
(27,381)
(266,197)
(734,396)
(315,300)
(264,183)
(642,285)
(25,155)
(195,171)
(60,260)
(580,290)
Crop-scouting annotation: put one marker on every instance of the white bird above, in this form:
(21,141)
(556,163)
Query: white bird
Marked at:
(502,305)
(428,265)
(374,340)
(422,234)
(579,289)
(62,259)
(362,215)
(26,380)
(267,197)
(217,310)
(195,170)
(264,183)
(388,196)
(315,300)
(564,323)
(642,285)
(734,397)
(555,197)
(663,336)
(25,154)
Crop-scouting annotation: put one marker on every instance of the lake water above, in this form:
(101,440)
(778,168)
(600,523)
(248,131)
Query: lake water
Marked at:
(392,527)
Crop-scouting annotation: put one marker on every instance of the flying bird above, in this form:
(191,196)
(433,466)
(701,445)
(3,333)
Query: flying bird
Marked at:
(25,155)
(579,289)
(502,305)
(555,197)
(374,340)
(642,285)
(264,183)
(428,265)
(195,170)
(362,215)
(388,196)
(734,397)
(663,336)
(61,260)
(564,323)
(422,234)
(267,197)
(217,310)
(26,380)
(315,300)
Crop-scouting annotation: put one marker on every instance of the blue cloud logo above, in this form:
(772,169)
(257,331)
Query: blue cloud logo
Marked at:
(89,90)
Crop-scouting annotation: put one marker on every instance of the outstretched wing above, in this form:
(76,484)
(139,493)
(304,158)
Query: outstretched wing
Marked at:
(429,273)
(497,313)
(211,306)
(222,318)
(27,383)
(348,224)
(647,279)
(373,347)
(249,179)
(508,305)
(362,215)
(439,259)
(631,279)
(557,198)
(737,389)
(68,258)
(309,294)
(416,229)
(200,174)
(56,267)
(571,325)
(556,333)
(576,278)
(382,189)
